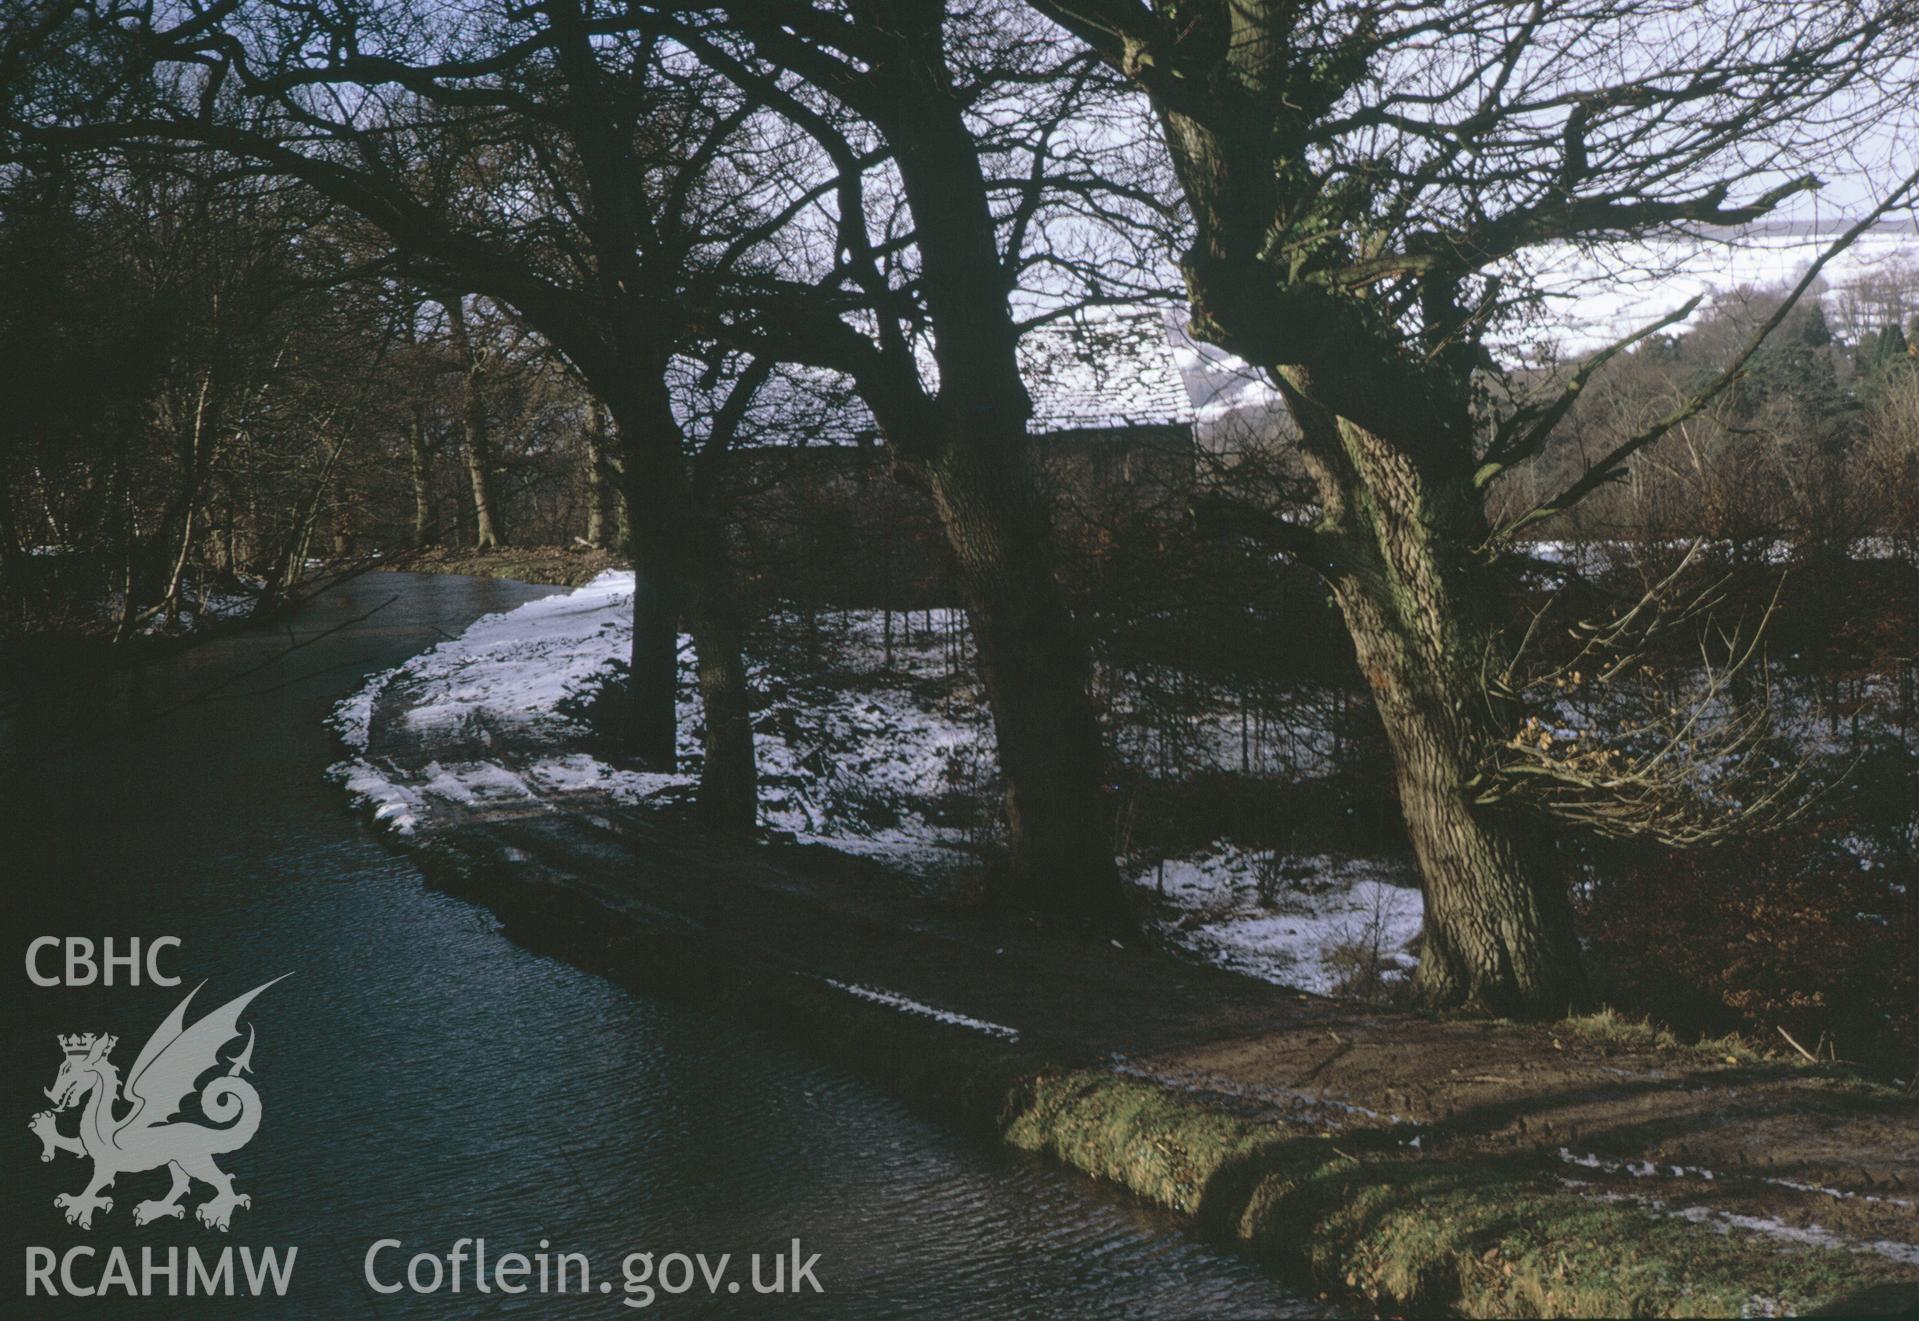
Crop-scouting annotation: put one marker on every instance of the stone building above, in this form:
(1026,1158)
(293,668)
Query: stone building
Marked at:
(817,511)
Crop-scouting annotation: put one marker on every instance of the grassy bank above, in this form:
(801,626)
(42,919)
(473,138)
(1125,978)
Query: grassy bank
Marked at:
(1477,1237)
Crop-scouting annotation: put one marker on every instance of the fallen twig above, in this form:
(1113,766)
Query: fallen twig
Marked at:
(1810,1057)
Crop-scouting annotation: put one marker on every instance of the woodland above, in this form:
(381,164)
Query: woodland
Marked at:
(1609,647)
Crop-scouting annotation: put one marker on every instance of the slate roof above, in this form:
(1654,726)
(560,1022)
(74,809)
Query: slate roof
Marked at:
(1103,371)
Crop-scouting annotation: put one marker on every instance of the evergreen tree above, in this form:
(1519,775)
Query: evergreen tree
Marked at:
(1884,358)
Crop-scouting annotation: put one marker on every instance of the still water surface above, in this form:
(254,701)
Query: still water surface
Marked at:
(425,1079)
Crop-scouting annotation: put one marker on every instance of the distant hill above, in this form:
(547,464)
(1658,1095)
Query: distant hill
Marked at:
(1600,298)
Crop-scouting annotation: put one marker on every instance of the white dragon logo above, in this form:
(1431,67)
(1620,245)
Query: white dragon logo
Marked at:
(149,1135)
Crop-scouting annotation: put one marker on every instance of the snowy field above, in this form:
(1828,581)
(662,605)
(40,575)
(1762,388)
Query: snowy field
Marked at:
(1590,305)
(877,747)
(1593,298)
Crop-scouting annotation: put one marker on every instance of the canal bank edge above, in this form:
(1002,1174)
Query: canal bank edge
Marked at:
(1347,1202)
(1355,1215)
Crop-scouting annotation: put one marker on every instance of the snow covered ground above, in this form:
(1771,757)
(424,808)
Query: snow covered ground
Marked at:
(878,748)
(504,693)
(863,767)
(1324,924)
(1592,306)
(200,605)
(872,736)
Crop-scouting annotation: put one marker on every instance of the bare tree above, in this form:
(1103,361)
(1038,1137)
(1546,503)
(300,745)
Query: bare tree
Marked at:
(944,132)
(625,202)
(547,160)
(1366,184)
(477,449)
(1891,459)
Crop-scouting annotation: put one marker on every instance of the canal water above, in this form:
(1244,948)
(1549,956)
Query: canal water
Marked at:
(424,1079)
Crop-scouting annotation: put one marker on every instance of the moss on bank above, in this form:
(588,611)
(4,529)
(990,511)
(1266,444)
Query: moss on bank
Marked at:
(1478,1237)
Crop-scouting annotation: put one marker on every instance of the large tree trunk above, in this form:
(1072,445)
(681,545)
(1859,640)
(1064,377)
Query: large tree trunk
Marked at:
(653,478)
(1402,521)
(1033,656)
(1033,659)
(729,777)
(1499,930)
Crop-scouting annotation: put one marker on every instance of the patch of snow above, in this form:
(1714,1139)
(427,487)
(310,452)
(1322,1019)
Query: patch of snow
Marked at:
(861,754)
(893,1000)
(473,783)
(517,669)
(576,771)
(353,718)
(199,605)
(1812,1235)
(1290,1101)
(1322,911)
(1643,1169)
(1840,1194)
(392,804)
(503,684)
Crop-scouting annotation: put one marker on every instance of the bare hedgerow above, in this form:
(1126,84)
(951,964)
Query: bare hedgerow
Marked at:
(1610,736)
